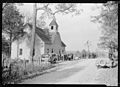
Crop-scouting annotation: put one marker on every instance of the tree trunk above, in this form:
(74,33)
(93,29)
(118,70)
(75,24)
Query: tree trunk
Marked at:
(10,54)
(33,33)
(10,43)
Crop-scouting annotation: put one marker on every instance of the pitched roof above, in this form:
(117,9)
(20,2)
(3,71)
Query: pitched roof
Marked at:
(63,44)
(53,22)
(53,35)
(46,38)
(40,32)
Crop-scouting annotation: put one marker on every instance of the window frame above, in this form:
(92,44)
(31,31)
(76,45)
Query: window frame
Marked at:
(20,51)
(52,51)
(52,27)
(47,50)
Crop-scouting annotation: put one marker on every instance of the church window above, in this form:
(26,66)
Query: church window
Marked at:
(20,51)
(59,52)
(52,51)
(51,27)
(47,50)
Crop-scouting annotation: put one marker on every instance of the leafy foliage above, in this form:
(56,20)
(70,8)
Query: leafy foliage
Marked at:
(109,20)
(12,23)
(11,20)
(5,45)
(50,10)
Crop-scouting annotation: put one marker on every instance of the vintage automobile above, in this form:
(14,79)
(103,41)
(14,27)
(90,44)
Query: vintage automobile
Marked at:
(70,56)
(76,58)
(104,63)
(45,57)
(53,58)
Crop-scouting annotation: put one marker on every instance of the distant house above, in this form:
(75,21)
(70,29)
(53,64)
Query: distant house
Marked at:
(46,41)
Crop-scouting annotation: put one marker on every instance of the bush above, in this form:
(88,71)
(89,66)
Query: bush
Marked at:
(18,70)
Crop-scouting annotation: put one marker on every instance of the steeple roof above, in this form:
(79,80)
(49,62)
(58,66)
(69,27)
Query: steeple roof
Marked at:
(53,22)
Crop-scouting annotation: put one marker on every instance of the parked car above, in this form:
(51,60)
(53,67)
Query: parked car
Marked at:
(45,57)
(70,56)
(53,58)
(76,58)
(104,62)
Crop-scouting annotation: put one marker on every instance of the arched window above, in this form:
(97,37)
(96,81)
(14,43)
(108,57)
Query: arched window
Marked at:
(47,50)
(62,51)
(52,51)
(51,27)
(20,51)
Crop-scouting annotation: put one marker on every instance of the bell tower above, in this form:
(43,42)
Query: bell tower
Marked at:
(53,26)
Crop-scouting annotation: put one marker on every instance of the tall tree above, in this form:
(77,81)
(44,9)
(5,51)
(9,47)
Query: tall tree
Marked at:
(4,5)
(32,50)
(83,53)
(5,45)
(12,23)
(50,10)
(88,46)
(109,20)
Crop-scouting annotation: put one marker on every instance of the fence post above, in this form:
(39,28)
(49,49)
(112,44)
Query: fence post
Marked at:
(39,59)
(10,71)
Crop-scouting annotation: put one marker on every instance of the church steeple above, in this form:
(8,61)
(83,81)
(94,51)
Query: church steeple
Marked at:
(53,26)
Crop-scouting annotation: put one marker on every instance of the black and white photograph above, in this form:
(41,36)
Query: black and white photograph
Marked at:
(60,43)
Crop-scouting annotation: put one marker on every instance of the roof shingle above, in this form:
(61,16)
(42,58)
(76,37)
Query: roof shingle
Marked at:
(48,39)
(41,34)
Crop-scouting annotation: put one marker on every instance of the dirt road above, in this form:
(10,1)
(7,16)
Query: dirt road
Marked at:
(70,72)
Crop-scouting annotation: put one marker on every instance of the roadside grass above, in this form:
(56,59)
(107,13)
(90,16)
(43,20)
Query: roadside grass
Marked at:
(20,71)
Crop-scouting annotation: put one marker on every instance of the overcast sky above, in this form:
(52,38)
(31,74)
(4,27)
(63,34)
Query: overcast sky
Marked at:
(76,30)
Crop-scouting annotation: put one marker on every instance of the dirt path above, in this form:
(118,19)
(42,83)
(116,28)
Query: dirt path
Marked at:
(77,72)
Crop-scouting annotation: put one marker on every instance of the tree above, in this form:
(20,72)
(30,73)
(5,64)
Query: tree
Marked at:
(5,45)
(63,8)
(84,53)
(77,53)
(12,23)
(40,23)
(4,5)
(88,46)
(109,20)
(32,49)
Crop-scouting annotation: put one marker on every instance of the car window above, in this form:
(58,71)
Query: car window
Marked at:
(101,61)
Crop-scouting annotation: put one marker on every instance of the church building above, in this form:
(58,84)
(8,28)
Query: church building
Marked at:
(46,41)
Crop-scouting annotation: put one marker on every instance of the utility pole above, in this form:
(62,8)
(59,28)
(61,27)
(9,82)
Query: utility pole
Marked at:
(88,45)
(33,33)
